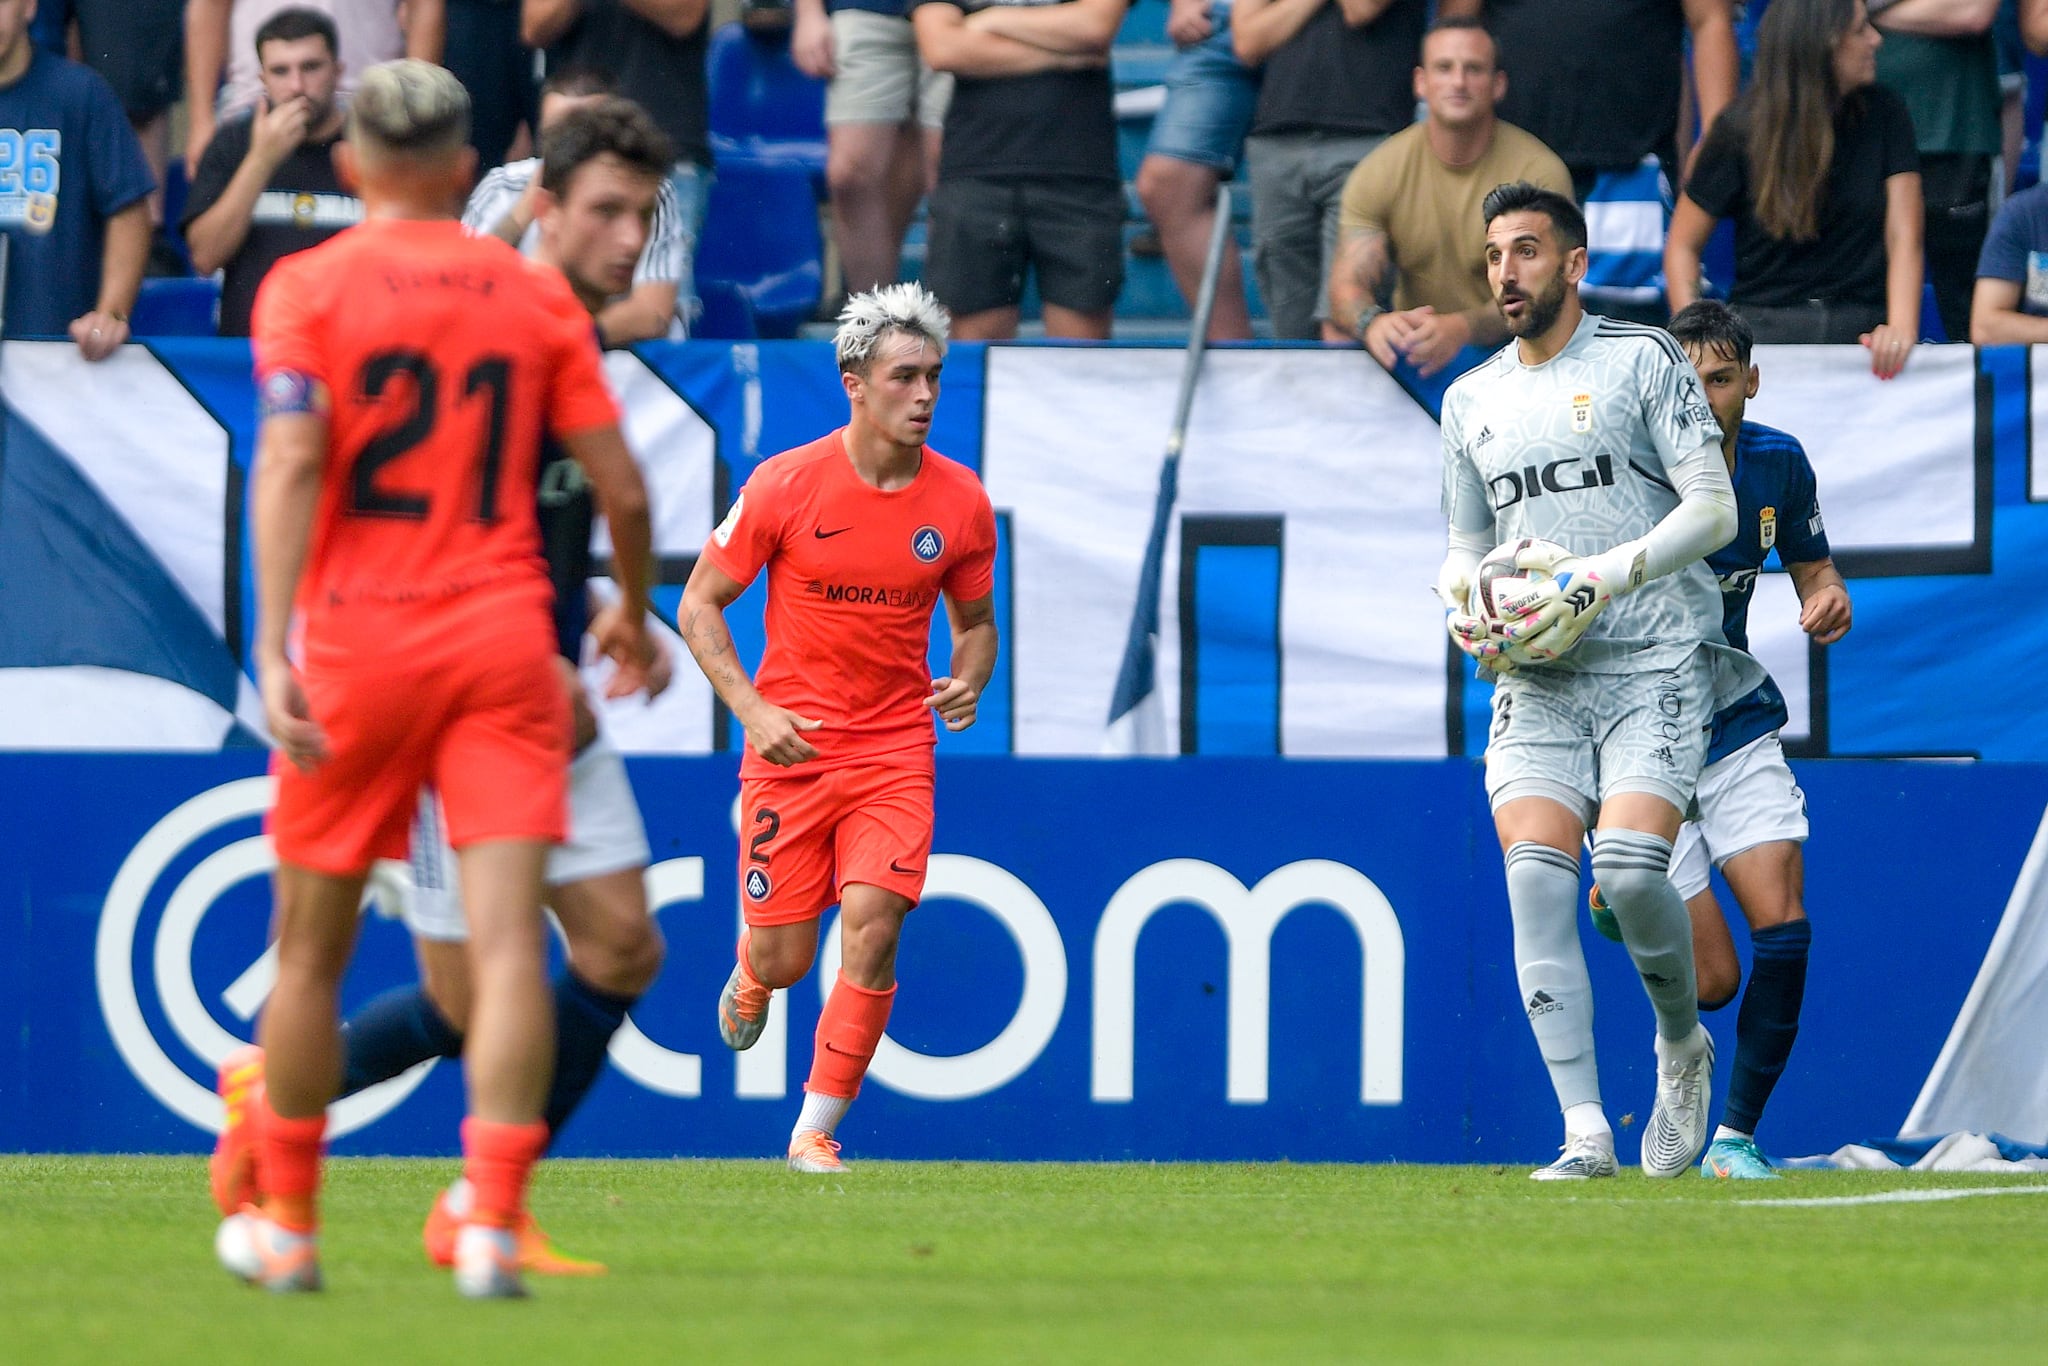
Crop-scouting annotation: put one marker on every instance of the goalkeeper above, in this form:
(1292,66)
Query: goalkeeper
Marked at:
(1592,433)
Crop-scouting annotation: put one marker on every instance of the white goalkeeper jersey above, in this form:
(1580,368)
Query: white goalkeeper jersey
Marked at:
(1576,450)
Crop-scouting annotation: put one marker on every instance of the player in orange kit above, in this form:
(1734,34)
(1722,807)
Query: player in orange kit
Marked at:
(860,532)
(407,374)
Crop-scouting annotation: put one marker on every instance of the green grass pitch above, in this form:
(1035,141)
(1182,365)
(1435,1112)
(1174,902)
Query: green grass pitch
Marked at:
(110,1259)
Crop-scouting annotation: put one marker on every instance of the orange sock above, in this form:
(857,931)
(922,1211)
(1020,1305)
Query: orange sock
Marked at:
(288,1167)
(848,1030)
(497,1160)
(747,977)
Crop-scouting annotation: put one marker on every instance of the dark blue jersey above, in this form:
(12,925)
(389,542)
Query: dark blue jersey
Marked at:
(567,516)
(1777,508)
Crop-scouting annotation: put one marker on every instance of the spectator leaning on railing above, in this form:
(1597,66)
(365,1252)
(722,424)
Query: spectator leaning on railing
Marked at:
(1339,79)
(1816,165)
(74,199)
(1197,141)
(883,111)
(1940,58)
(2009,303)
(1028,175)
(267,186)
(509,200)
(220,51)
(1601,83)
(1412,234)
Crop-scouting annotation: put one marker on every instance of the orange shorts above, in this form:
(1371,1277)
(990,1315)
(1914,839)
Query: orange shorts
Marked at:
(805,837)
(487,726)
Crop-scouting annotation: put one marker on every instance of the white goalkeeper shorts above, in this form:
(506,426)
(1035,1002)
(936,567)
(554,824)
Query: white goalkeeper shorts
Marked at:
(1746,799)
(605,836)
(1580,738)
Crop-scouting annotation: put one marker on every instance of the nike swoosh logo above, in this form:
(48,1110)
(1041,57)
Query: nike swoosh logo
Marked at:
(825,535)
(895,869)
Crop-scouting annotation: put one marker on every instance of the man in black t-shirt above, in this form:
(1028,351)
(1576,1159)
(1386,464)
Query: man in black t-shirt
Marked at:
(655,50)
(1601,81)
(1028,175)
(1335,87)
(266,186)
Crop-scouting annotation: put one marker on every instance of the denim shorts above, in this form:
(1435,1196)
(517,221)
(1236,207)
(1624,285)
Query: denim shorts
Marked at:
(1210,97)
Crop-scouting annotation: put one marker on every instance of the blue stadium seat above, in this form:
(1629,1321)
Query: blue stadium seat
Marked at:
(761,236)
(762,108)
(726,315)
(176,307)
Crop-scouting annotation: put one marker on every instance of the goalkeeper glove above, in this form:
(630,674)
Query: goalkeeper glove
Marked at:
(1454,590)
(1552,615)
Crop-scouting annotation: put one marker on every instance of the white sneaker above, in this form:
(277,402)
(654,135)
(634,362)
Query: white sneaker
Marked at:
(1678,1127)
(487,1263)
(1585,1156)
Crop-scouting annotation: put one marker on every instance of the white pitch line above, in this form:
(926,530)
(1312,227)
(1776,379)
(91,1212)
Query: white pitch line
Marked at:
(1911,1197)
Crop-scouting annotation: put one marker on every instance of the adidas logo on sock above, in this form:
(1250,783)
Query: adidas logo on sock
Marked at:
(1542,1003)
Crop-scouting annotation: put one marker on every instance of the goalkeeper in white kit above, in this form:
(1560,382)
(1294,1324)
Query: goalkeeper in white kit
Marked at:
(1592,434)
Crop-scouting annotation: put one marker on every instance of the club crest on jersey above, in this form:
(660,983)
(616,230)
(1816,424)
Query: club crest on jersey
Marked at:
(1767,527)
(927,544)
(757,884)
(1582,413)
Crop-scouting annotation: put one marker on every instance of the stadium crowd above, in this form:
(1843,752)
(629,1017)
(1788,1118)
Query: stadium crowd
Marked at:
(1856,148)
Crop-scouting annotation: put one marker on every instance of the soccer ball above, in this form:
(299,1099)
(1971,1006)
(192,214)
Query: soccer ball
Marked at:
(1499,579)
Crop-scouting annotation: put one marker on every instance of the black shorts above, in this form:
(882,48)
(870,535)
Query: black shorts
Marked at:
(985,233)
(139,47)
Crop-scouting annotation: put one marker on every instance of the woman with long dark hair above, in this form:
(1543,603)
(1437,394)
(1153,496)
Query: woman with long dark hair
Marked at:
(1815,163)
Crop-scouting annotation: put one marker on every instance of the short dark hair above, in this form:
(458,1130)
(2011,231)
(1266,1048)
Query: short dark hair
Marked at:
(294,22)
(1710,325)
(612,125)
(1461,23)
(580,78)
(1519,196)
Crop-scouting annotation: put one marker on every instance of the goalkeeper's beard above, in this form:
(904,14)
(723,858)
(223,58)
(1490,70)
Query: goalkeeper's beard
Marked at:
(1542,311)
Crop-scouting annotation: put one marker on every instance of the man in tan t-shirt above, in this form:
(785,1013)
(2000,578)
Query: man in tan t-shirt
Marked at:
(1411,225)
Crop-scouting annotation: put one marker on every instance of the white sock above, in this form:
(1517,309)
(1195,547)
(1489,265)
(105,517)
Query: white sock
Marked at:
(461,1198)
(1687,1048)
(1587,1120)
(1723,1131)
(822,1113)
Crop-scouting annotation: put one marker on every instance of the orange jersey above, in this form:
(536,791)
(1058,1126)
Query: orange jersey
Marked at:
(854,574)
(446,358)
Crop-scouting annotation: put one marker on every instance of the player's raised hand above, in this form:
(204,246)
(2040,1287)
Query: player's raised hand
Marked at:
(1826,614)
(777,735)
(290,718)
(955,700)
(622,637)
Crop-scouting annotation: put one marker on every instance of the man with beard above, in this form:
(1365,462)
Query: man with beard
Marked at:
(266,186)
(1592,434)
